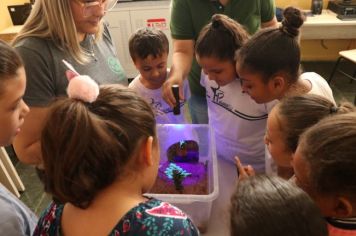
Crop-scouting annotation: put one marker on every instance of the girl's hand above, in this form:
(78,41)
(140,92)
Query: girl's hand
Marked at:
(243,171)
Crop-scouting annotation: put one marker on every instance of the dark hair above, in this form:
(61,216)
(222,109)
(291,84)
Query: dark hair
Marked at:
(86,146)
(297,113)
(275,50)
(329,147)
(220,38)
(269,206)
(10,62)
(148,41)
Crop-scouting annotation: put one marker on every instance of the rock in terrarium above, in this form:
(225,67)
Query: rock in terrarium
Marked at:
(183,151)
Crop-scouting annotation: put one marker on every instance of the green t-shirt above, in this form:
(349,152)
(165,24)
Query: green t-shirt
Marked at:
(188,17)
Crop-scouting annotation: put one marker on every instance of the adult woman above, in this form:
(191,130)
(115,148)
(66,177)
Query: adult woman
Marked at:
(55,30)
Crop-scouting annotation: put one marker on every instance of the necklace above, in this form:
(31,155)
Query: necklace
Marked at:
(90,50)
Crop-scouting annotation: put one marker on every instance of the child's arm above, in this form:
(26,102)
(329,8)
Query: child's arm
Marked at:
(243,171)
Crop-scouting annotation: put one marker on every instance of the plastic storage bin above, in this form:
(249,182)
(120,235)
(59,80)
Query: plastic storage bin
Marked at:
(198,207)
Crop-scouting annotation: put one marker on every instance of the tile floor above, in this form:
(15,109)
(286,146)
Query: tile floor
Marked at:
(37,200)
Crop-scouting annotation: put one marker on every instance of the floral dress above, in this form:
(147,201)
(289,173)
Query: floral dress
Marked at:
(152,217)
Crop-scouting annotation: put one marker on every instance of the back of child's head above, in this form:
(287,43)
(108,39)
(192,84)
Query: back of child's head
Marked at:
(269,206)
(10,62)
(296,114)
(329,148)
(274,50)
(148,41)
(87,146)
(220,38)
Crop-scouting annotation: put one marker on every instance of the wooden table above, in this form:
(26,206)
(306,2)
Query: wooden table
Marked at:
(9,33)
(328,26)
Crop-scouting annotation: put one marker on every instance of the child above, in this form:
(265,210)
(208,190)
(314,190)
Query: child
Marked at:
(99,161)
(16,218)
(268,64)
(269,206)
(269,67)
(325,167)
(289,119)
(238,122)
(149,52)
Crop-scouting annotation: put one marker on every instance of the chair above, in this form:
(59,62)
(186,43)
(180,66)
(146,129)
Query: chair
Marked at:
(8,174)
(347,55)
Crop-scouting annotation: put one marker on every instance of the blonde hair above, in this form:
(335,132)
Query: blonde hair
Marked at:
(53,19)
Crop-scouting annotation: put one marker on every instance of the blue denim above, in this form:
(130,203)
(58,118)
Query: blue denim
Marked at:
(198,109)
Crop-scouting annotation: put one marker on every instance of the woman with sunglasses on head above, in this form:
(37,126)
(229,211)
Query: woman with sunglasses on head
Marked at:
(55,30)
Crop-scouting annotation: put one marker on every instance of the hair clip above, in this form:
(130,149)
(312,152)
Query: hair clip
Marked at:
(80,87)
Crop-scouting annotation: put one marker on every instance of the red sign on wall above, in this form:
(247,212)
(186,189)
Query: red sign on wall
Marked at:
(157,23)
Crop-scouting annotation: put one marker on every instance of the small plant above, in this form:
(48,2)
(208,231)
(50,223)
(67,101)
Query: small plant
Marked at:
(178,178)
(177,174)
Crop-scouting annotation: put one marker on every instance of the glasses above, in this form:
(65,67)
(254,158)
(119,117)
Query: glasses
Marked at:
(90,6)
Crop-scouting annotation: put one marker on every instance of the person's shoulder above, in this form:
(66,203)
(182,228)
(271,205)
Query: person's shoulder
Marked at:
(13,203)
(49,222)
(31,47)
(52,209)
(310,75)
(319,85)
(32,42)
(7,202)
(314,78)
(135,83)
(180,221)
(16,218)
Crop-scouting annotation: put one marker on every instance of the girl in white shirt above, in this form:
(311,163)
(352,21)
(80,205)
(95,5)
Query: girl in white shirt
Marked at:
(238,122)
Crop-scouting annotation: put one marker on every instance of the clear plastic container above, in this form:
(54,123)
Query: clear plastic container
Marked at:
(198,207)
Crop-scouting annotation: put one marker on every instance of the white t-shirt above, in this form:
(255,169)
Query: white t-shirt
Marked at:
(319,86)
(239,123)
(164,113)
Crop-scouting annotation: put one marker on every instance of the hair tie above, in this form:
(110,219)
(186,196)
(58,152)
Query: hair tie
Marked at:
(216,24)
(80,87)
(289,30)
(333,109)
(84,88)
